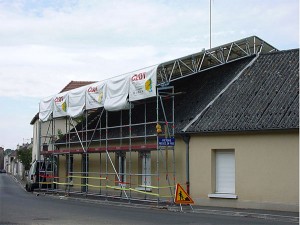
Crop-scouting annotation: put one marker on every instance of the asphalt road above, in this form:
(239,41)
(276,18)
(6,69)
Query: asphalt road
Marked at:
(20,207)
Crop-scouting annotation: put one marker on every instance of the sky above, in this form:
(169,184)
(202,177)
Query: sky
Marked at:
(45,44)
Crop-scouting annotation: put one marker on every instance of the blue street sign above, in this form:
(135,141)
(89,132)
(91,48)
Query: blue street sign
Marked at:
(166,141)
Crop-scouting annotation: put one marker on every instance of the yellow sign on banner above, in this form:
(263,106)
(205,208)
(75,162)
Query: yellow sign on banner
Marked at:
(181,197)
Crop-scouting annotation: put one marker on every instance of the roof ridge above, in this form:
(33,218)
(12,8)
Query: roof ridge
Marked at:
(281,51)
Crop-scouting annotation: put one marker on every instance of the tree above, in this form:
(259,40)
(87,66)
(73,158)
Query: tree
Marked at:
(25,156)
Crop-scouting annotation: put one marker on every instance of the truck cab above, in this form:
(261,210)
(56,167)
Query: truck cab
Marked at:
(40,175)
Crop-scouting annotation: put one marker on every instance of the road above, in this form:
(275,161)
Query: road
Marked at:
(20,207)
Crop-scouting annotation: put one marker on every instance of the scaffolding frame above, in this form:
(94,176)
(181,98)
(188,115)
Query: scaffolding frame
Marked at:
(210,58)
(132,136)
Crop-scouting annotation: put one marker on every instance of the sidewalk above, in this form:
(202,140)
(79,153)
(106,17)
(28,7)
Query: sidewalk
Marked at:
(283,216)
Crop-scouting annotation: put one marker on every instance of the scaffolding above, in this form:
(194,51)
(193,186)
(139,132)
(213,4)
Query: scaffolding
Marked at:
(128,154)
(116,151)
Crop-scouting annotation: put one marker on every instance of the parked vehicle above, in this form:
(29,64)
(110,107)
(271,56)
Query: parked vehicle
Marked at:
(3,171)
(40,175)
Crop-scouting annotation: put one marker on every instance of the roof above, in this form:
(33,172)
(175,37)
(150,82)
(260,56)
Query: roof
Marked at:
(264,97)
(256,93)
(75,84)
(201,89)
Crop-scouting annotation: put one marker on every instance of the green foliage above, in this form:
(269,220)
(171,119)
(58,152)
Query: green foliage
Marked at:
(25,157)
(60,133)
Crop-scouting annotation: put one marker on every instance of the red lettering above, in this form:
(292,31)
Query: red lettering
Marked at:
(92,89)
(139,76)
(59,99)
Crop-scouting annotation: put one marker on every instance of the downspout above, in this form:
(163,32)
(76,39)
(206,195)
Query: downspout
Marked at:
(186,139)
(38,144)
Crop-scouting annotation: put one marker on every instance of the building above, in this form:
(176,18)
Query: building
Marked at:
(244,140)
(232,112)
(10,162)
(1,158)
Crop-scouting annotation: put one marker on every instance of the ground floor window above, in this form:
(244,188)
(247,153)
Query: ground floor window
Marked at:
(224,167)
(70,165)
(146,168)
(121,157)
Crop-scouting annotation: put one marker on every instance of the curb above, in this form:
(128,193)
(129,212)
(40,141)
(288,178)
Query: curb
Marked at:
(265,216)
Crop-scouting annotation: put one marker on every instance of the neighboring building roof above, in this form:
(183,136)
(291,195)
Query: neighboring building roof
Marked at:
(264,97)
(75,84)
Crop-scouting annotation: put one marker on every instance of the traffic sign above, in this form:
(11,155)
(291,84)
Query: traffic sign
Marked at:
(181,197)
(166,141)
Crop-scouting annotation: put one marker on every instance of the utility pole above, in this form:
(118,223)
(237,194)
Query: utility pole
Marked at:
(209,23)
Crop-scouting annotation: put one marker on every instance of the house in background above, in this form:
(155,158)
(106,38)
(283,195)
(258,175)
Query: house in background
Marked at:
(235,125)
(1,158)
(11,163)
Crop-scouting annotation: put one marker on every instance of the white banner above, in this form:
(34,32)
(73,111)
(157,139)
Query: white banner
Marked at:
(46,108)
(60,105)
(143,84)
(95,95)
(76,102)
(113,94)
(117,93)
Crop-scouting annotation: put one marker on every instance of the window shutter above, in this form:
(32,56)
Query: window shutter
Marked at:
(225,172)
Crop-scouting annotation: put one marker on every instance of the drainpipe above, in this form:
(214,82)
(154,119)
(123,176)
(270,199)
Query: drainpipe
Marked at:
(186,139)
(38,138)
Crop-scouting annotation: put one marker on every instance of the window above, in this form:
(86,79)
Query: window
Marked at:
(122,168)
(69,168)
(224,174)
(145,165)
(146,169)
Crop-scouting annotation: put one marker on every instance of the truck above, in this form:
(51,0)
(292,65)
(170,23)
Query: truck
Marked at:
(40,175)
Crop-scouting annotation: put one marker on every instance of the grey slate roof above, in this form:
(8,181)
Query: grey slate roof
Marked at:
(265,97)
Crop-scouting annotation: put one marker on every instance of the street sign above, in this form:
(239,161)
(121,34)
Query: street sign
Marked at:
(181,197)
(162,141)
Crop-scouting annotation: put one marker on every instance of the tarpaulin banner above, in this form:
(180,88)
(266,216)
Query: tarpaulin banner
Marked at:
(113,94)
(46,108)
(76,102)
(60,105)
(95,95)
(117,89)
(143,84)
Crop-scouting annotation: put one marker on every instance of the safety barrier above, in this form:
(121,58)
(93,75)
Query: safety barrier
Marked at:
(137,188)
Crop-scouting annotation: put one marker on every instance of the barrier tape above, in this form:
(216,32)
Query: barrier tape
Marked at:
(156,187)
(96,178)
(62,183)
(116,188)
(45,182)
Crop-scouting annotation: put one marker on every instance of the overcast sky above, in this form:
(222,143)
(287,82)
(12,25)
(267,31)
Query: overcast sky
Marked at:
(44,44)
